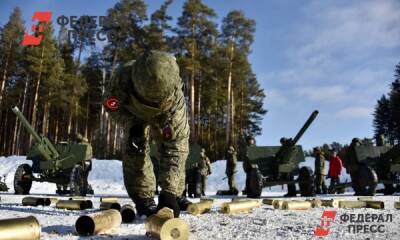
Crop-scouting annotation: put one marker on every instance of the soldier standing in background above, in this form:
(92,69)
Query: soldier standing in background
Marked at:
(250,141)
(146,97)
(335,169)
(204,167)
(231,161)
(319,171)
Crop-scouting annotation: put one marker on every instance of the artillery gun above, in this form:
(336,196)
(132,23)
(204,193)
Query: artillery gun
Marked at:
(276,165)
(370,165)
(66,165)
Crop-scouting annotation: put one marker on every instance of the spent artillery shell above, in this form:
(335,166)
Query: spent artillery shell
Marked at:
(20,229)
(99,222)
(53,201)
(277,204)
(397,205)
(89,203)
(296,205)
(375,204)
(239,207)
(33,201)
(110,205)
(108,199)
(330,203)
(268,201)
(352,204)
(199,208)
(72,204)
(315,203)
(128,213)
(164,226)
(365,198)
(207,200)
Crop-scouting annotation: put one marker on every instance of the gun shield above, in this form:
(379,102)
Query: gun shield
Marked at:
(296,205)
(109,199)
(20,229)
(128,213)
(72,204)
(33,201)
(239,207)
(330,203)
(199,208)
(375,204)
(110,205)
(352,204)
(164,226)
(99,222)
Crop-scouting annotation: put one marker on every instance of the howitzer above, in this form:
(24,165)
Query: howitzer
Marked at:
(276,165)
(66,165)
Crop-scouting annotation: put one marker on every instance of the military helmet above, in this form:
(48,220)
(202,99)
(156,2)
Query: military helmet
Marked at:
(155,76)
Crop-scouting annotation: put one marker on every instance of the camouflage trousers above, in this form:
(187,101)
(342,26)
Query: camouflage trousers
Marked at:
(203,184)
(138,170)
(320,184)
(232,182)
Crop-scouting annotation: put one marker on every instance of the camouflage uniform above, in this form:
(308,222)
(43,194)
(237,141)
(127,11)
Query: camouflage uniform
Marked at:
(204,167)
(320,172)
(231,161)
(151,104)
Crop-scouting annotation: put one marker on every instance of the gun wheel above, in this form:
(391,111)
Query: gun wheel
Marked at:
(254,183)
(78,183)
(306,182)
(364,181)
(23,179)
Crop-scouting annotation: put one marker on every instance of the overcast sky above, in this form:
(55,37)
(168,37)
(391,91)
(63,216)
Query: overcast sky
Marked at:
(336,56)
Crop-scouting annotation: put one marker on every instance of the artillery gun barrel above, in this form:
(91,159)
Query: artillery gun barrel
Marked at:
(305,127)
(44,146)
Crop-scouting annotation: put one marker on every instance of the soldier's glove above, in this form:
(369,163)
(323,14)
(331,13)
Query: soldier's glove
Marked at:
(166,199)
(137,139)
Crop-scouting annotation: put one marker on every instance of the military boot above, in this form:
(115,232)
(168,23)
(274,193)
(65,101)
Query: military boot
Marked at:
(145,206)
(183,203)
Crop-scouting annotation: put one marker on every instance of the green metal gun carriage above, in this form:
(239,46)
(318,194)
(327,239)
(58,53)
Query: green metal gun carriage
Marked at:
(66,165)
(370,165)
(277,165)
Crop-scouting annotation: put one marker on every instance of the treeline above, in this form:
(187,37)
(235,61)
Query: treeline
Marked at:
(387,112)
(61,92)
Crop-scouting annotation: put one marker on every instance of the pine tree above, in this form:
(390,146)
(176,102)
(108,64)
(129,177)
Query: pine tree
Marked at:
(394,97)
(381,121)
(156,30)
(196,32)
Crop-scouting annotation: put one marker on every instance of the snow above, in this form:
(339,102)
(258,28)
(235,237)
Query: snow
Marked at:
(263,223)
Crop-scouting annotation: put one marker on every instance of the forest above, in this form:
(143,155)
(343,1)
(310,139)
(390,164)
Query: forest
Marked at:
(60,84)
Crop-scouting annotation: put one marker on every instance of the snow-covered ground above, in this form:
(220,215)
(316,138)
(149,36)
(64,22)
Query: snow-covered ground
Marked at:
(262,223)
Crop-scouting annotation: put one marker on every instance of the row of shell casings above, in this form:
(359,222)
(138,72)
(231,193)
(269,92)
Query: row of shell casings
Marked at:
(316,203)
(234,207)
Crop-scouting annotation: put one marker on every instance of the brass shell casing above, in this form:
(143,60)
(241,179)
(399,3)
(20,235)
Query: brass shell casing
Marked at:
(352,204)
(128,213)
(72,204)
(315,203)
(207,200)
(239,207)
(277,204)
(164,226)
(20,229)
(110,205)
(99,222)
(375,204)
(397,205)
(296,205)
(34,201)
(199,208)
(108,199)
(330,203)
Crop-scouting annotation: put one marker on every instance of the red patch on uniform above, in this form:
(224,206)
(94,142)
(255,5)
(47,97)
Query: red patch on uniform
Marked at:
(167,133)
(111,103)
